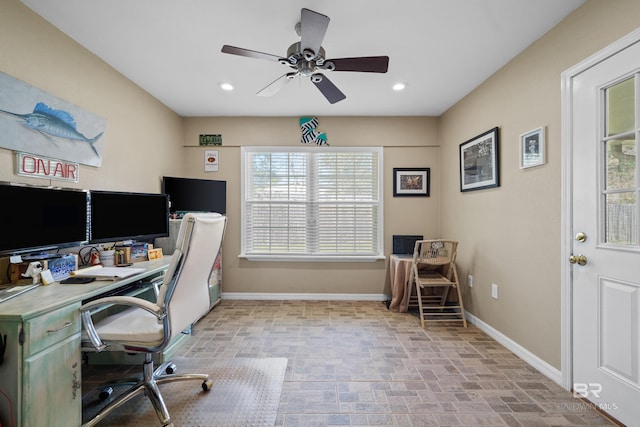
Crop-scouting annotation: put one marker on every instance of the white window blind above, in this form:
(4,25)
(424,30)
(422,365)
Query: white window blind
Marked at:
(312,203)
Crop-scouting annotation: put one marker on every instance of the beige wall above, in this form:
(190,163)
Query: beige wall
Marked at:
(144,141)
(407,142)
(143,138)
(511,235)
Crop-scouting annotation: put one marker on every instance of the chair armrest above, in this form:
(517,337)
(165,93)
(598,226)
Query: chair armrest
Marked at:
(87,320)
(151,307)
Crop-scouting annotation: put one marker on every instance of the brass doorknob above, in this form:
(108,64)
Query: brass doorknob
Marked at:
(578,259)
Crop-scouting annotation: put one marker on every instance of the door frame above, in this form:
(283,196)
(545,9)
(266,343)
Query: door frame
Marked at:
(566,322)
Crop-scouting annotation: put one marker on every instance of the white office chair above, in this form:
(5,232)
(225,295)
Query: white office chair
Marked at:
(147,327)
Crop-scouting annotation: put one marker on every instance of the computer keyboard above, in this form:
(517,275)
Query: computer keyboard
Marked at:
(15,290)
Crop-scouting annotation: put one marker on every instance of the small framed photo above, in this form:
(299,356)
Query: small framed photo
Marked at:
(154,253)
(411,182)
(479,162)
(532,151)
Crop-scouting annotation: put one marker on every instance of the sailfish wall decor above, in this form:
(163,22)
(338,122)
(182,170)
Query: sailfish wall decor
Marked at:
(36,122)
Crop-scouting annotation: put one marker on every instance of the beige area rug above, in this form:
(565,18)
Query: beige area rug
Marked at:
(245,392)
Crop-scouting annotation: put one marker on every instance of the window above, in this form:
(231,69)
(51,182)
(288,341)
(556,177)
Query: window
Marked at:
(620,188)
(312,203)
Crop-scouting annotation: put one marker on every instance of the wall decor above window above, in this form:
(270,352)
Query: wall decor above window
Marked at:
(310,135)
(479,162)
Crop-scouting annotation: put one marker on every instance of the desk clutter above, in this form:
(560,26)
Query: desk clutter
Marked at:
(60,268)
(124,255)
(49,268)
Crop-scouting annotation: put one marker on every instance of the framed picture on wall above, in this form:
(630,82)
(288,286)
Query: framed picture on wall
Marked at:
(411,182)
(479,162)
(532,151)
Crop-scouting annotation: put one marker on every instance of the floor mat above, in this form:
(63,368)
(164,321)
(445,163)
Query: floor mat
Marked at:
(245,392)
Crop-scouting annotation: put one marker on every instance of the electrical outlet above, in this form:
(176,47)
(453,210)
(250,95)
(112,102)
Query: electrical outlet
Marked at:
(470,281)
(494,291)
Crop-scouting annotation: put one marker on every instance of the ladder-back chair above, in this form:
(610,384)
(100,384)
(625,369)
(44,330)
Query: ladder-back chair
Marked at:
(433,271)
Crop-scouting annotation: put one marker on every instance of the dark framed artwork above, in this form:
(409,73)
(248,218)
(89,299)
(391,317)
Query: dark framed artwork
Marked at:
(411,182)
(479,162)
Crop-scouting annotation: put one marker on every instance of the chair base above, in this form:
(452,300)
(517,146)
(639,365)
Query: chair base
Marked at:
(434,308)
(442,314)
(149,386)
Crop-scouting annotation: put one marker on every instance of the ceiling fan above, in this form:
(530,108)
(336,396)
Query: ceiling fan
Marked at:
(307,58)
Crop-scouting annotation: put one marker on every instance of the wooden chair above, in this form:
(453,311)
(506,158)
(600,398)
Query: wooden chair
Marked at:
(433,271)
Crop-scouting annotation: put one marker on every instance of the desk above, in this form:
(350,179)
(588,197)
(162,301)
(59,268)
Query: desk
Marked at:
(400,270)
(41,373)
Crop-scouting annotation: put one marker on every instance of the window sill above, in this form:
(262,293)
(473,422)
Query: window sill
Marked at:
(310,258)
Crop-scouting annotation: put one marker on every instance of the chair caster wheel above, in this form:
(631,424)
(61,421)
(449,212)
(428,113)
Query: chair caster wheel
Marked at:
(171,368)
(105,393)
(206,385)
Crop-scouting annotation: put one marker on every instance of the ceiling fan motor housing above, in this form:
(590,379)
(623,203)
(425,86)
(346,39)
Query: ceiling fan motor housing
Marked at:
(306,63)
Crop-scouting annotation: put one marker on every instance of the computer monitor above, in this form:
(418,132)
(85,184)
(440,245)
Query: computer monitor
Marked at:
(404,244)
(116,216)
(195,195)
(36,219)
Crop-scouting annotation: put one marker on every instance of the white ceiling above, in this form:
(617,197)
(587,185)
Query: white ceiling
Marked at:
(441,49)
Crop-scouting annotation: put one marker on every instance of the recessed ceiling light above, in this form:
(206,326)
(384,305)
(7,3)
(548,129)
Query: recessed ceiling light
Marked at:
(226,86)
(399,86)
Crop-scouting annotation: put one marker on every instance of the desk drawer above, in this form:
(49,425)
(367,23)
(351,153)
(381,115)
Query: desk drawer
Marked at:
(51,328)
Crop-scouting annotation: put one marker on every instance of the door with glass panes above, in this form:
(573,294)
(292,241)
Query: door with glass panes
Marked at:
(606,244)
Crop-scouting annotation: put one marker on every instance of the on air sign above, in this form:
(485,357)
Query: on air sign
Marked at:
(46,167)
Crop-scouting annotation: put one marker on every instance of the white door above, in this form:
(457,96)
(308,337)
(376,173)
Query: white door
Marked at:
(606,238)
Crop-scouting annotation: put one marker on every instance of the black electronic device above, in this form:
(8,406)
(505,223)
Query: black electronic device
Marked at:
(404,244)
(3,347)
(195,195)
(35,219)
(117,216)
(75,280)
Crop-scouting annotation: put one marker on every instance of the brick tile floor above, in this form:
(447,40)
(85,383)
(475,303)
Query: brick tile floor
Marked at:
(358,364)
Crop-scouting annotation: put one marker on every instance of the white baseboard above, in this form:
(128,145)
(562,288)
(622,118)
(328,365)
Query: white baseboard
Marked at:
(310,297)
(546,369)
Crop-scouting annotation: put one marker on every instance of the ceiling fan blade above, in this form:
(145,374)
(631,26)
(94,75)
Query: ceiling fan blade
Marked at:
(328,89)
(365,64)
(249,53)
(313,26)
(273,87)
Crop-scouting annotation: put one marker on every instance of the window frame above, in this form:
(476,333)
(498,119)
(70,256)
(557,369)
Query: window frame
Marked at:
(379,255)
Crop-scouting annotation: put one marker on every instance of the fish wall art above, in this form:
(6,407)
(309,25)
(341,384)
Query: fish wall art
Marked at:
(33,121)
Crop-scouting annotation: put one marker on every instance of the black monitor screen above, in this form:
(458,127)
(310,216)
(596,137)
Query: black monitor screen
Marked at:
(195,195)
(39,218)
(117,216)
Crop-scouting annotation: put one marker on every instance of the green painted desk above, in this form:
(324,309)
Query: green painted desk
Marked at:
(40,379)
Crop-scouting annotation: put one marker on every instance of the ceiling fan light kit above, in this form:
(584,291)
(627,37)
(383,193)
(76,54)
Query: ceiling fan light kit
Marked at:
(308,59)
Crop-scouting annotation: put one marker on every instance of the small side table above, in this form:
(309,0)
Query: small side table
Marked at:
(400,271)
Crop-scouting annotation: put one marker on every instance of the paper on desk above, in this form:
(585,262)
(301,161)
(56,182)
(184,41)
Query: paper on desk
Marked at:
(109,272)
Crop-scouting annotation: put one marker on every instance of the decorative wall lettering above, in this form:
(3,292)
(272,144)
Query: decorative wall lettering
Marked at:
(45,167)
